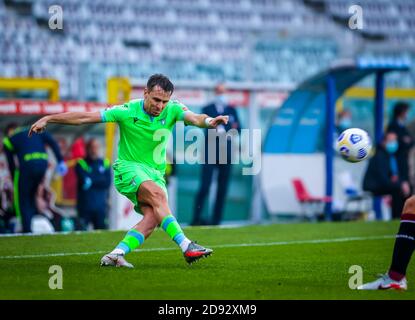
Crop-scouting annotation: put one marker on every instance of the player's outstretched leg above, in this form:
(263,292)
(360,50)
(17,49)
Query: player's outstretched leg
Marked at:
(132,240)
(402,252)
(152,194)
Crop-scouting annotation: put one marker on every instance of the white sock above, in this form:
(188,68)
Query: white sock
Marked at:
(184,244)
(118,251)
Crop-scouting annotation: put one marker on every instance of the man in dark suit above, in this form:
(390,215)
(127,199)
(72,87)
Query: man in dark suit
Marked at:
(223,168)
(383,175)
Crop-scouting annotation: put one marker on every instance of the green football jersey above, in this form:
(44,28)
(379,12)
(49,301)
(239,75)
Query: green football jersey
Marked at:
(139,140)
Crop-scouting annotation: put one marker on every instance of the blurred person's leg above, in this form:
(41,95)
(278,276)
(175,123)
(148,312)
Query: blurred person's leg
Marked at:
(224,171)
(29,178)
(84,219)
(396,196)
(22,200)
(206,181)
(57,221)
(403,249)
(98,219)
(405,241)
(398,201)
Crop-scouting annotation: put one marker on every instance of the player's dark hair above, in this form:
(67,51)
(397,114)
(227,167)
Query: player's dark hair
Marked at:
(160,80)
(10,126)
(400,108)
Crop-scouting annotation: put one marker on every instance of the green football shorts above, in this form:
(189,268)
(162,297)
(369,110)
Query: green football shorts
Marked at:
(129,175)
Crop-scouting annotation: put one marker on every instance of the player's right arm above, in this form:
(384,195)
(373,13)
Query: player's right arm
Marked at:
(113,114)
(72,118)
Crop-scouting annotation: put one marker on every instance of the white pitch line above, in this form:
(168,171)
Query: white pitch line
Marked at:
(236,245)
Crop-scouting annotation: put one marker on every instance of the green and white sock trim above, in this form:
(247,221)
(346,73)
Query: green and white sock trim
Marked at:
(132,240)
(175,232)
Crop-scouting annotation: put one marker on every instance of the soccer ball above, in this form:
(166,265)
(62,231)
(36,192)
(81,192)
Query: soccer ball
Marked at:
(354,145)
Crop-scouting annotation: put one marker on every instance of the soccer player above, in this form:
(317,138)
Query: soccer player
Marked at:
(139,170)
(402,252)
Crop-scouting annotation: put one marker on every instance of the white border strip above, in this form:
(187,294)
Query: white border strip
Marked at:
(236,245)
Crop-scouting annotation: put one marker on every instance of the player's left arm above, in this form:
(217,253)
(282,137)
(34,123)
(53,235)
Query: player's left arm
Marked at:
(203,120)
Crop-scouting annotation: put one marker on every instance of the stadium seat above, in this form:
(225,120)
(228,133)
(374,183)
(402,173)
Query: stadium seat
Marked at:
(356,202)
(311,206)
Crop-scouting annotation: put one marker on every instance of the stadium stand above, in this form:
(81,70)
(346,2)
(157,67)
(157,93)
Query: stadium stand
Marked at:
(204,40)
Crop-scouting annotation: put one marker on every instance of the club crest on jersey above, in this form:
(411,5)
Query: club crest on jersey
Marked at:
(162,121)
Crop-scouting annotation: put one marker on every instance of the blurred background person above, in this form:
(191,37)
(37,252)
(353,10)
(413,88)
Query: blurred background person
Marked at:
(7,214)
(411,155)
(72,152)
(218,107)
(30,169)
(45,203)
(405,140)
(94,180)
(383,175)
(344,121)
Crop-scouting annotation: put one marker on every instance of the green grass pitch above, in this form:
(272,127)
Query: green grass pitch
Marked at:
(280,261)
